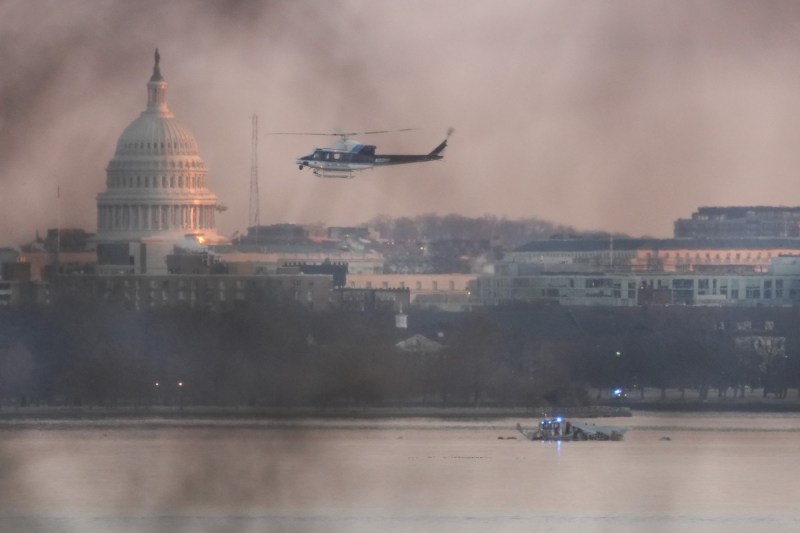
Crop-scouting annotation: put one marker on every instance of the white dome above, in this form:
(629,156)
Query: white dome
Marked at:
(156,133)
(156,185)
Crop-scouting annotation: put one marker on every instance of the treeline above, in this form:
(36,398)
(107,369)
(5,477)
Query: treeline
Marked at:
(432,227)
(94,354)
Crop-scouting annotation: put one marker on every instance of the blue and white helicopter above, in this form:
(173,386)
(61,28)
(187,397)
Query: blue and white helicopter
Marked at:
(348,156)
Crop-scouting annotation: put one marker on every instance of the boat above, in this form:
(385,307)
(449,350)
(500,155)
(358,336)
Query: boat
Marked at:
(558,429)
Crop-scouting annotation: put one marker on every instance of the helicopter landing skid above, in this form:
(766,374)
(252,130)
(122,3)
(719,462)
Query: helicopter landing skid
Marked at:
(333,174)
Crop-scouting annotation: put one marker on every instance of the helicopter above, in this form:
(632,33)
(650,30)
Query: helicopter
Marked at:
(348,156)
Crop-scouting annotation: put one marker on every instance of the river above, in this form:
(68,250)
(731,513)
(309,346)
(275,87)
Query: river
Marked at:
(682,473)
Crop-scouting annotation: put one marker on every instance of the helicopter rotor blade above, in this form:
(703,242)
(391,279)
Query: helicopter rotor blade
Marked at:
(382,131)
(343,134)
(304,133)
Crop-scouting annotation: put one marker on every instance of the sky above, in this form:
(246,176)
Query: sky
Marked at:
(615,115)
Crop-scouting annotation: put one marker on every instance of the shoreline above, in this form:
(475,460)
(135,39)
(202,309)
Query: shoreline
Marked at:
(34,413)
(620,409)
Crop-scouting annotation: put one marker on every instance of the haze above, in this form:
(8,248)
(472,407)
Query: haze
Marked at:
(616,115)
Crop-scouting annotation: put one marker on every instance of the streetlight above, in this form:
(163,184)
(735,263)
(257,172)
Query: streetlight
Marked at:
(180,394)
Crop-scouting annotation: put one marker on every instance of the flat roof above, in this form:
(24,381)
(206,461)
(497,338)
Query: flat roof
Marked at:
(596,245)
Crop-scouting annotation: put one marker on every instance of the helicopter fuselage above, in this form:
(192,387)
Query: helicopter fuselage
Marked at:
(348,156)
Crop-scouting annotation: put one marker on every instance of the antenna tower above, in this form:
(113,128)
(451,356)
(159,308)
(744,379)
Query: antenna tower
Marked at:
(254,218)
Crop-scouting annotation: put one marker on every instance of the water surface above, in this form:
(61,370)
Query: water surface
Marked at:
(715,473)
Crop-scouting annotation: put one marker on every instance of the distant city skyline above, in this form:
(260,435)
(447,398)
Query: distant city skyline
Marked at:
(620,116)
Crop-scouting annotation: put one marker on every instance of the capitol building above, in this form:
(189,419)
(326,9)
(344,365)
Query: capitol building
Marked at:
(156,187)
(157,245)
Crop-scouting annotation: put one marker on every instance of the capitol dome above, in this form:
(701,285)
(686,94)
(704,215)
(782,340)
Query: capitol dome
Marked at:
(156,183)
(156,133)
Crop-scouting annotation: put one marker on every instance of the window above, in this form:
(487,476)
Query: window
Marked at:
(752,293)
(683,290)
(702,286)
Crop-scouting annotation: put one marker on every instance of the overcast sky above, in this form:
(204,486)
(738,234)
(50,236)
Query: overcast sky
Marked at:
(618,115)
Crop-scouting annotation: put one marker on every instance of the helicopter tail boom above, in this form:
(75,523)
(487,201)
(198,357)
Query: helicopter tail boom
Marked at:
(434,155)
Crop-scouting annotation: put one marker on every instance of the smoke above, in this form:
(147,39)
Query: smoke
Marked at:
(621,115)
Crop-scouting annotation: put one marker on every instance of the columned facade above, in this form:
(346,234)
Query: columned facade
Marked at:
(147,218)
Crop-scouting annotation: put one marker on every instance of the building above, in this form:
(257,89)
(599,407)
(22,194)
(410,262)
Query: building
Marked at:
(573,255)
(726,256)
(419,344)
(268,248)
(16,287)
(447,292)
(8,256)
(216,292)
(779,286)
(371,300)
(740,255)
(156,190)
(9,293)
(341,232)
(274,258)
(740,222)
(273,234)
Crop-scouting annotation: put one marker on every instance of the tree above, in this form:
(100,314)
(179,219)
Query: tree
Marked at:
(477,355)
(17,368)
